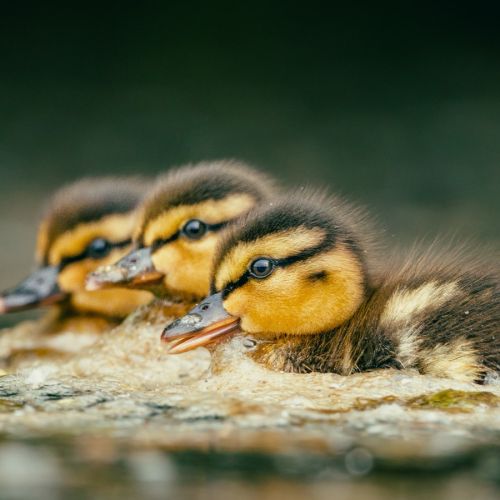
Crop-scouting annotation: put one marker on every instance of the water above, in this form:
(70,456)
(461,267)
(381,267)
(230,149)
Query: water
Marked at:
(101,469)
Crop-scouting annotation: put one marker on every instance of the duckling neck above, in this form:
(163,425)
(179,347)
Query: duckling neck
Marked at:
(356,345)
(111,303)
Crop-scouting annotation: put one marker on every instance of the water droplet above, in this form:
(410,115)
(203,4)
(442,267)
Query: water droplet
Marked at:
(249,343)
(359,462)
(191,319)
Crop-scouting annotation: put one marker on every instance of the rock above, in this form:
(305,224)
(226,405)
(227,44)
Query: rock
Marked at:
(126,392)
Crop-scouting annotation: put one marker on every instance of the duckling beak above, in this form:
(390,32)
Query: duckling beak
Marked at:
(135,270)
(204,324)
(39,289)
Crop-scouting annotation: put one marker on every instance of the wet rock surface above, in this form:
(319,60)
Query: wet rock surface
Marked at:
(126,407)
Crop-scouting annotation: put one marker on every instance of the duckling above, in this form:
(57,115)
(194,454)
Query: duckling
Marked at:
(179,224)
(86,224)
(295,287)
(181,221)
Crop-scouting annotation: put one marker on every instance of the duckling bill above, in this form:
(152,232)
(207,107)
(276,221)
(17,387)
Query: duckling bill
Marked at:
(135,270)
(206,323)
(297,278)
(39,289)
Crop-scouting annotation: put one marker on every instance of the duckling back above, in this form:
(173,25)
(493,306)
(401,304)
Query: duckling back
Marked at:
(439,312)
(436,311)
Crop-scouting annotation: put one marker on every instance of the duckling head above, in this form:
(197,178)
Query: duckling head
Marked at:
(294,267)
(86,224)
(181,222)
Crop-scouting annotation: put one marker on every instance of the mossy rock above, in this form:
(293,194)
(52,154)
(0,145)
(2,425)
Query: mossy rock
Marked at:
(454,401)
(363,404)
(7,406)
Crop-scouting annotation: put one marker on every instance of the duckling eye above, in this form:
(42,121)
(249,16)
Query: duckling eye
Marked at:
(98,248)
(194,229)
(261,268)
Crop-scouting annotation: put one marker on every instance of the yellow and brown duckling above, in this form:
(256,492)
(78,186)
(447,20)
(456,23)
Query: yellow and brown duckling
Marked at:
(87,223)
(181,222)
(291,286)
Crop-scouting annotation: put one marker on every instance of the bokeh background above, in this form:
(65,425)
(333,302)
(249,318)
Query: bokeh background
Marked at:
(394,104)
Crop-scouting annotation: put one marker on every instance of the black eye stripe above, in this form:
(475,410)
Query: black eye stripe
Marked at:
(83,255)
(219,225)
(160,242)
(231,287)
(325,245)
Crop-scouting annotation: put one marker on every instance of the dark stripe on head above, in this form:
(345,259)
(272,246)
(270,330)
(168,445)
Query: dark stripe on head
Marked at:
(275,218)
(86,254)
(161,242)
(89,200)
(191,185)
(340,222)
(326,244)
(319,276)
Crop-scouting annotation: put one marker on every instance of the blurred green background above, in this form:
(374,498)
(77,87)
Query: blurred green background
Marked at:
(396,106)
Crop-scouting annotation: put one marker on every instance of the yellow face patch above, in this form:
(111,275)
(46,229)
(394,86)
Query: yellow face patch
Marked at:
(277,245)
(114,228)
(293,300)
(187,264)
(42,242)
(210,211)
